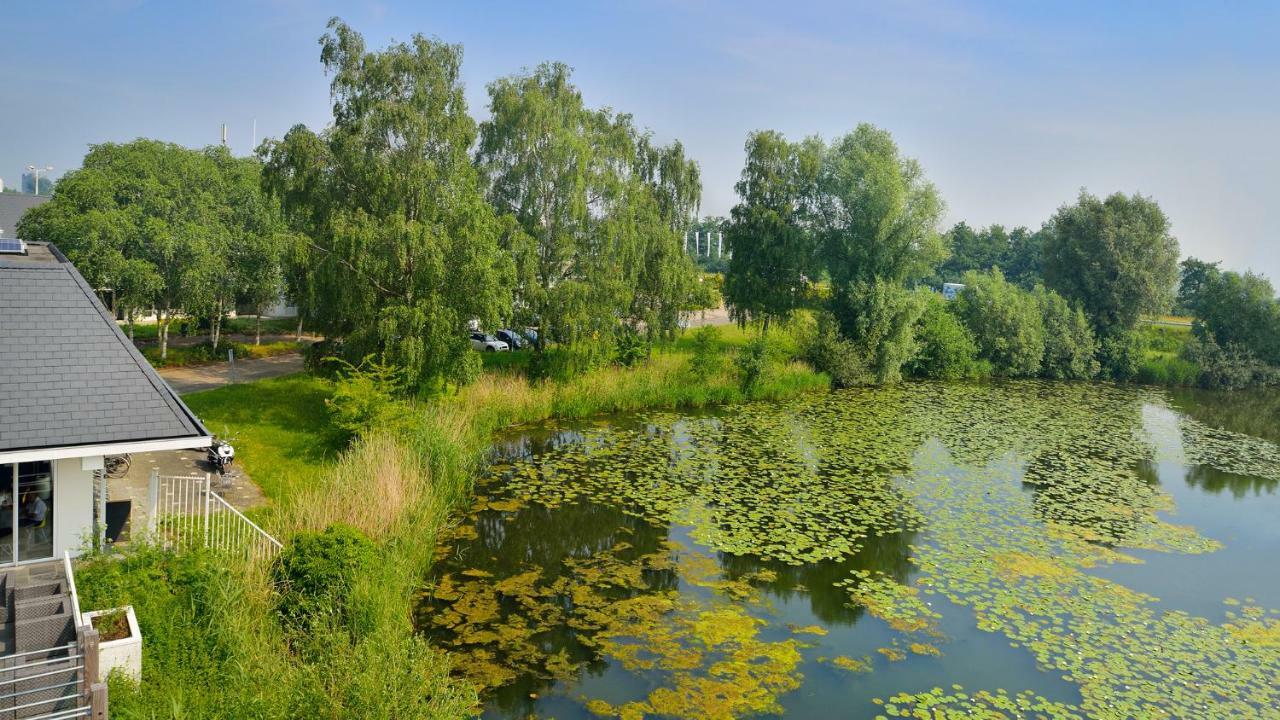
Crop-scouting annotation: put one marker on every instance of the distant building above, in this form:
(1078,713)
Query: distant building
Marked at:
(12,207)
(951,290)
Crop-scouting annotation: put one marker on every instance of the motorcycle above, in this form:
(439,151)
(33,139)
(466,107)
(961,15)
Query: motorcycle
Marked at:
(221,456)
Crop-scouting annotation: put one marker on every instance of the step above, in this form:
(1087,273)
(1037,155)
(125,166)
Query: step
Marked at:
(43,632)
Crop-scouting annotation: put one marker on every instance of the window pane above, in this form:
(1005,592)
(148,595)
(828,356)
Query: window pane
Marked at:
(35,510)
(6,513)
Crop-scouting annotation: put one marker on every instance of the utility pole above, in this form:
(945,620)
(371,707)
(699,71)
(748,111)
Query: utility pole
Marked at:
(224,134)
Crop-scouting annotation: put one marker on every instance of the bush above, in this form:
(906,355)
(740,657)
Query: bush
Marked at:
(752,361)
(839,358)
(945,349)
(1229,368)
(366,397)
(629,348)
(1005,322)
(323,358)
(1120,356)
(705,360)
(317,573)
(879,317)
(1069,346)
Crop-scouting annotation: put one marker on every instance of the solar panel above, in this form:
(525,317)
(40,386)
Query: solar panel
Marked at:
(12,246)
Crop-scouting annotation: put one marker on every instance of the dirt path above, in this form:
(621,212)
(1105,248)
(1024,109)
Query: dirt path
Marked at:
(207,377)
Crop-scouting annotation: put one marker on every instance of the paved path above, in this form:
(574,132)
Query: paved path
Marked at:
(214,375)
(718,316)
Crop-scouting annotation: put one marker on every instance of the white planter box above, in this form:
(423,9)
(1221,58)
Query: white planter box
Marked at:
(124,654)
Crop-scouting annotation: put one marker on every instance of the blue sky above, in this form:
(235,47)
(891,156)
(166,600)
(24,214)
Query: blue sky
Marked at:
(1011,107)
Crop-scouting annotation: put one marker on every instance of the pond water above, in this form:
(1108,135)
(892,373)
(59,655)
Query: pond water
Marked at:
(1036,549)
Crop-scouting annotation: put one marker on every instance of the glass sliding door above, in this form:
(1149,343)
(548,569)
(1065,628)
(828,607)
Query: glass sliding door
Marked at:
(35,510)
(26,512)
(8,547)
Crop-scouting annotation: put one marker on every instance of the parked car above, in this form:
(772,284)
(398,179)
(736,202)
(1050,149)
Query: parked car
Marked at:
(531,334)
(513,339)
(487,343)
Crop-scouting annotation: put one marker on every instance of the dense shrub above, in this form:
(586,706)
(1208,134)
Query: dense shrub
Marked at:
(1229,368)
(945,348)
(366,397)
(1120,355)
(752,362)
(1005,321)
(705,360)
(317,573)
(1069,346)
(838,357)
(1240,310)
(629,348)
(879,318)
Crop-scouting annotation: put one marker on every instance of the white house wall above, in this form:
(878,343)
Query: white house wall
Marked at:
(72,506)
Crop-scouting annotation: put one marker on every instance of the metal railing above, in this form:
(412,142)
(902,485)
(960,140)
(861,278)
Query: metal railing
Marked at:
(186,513)
(58,682)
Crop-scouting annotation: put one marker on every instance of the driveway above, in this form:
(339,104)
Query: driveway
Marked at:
(214,375)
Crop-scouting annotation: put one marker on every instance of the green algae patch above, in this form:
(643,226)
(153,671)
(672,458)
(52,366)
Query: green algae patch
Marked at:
(998,499)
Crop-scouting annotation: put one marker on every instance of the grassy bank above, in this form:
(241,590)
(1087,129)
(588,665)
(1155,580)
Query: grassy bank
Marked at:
(397,483)
(203,353)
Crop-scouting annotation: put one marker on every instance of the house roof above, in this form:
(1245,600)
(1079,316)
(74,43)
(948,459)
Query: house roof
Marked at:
(68,375)
(12,207)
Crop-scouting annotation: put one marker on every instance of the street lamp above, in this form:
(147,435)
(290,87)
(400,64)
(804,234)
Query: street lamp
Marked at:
(37,171)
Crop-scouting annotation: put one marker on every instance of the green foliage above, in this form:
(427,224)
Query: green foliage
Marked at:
(752,361)
(165,227)
(1193,276)
(367,397)
(594,212)
(1120,356)
(879,318)
(1229,368)
(705,359)
(629,348)
(1006,323)
(877,212)
(771,247)
(1115,258)
(403,248)
(830,352)
(565,362)
(1241,310)
(1168,370)
(945,348)
(1017,253)
(1069,346)
(317,573)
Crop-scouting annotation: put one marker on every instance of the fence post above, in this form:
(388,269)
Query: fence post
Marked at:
(98,701)
(208,490)
(89,648)
(153,499)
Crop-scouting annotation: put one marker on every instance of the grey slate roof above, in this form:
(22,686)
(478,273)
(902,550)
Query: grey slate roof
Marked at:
(68,375)
(12,207)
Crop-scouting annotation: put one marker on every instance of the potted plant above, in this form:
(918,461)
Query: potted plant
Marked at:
(119,641)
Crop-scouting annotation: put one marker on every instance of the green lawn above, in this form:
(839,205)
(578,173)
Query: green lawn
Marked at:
(280,428)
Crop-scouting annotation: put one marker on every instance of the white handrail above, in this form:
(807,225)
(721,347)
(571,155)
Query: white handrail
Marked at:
(71,583)
(226,505)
